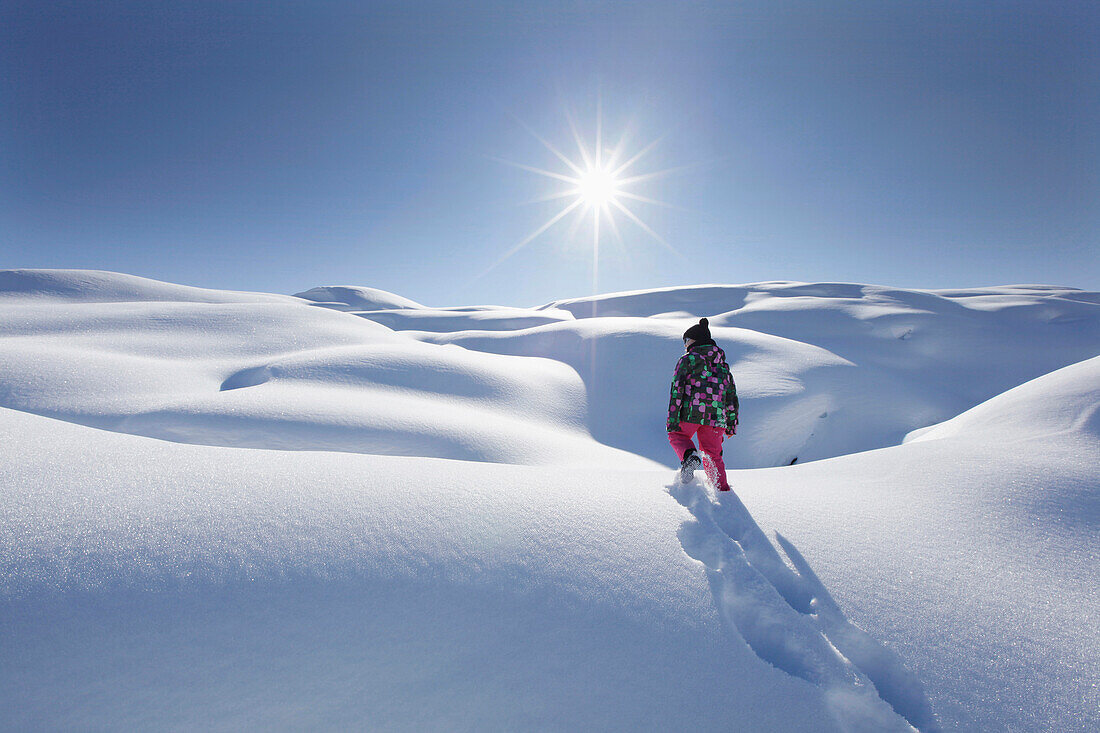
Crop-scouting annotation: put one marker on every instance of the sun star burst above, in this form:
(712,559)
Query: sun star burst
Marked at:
(595,186)
(598,187)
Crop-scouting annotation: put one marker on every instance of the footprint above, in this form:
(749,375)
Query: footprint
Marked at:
(788,619)
(895,684)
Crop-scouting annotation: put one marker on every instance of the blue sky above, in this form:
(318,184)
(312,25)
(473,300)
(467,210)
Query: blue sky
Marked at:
(278,146)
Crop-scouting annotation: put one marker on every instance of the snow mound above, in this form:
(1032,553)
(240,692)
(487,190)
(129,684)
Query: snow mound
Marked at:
(677,301)
(790,388)
(95,286)
(279,374)
(483,318)
(970,551)
(1066,400)
(705,300)
(353,571)
(152,584)
(822,369)
(348,298)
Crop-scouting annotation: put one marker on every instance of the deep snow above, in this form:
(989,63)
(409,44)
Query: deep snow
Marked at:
(459,520)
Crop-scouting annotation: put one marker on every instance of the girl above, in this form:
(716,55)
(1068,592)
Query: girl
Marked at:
(703,402)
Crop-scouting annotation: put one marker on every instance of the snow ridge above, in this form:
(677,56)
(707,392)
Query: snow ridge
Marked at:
(497,464)
(789,619)
(353,298)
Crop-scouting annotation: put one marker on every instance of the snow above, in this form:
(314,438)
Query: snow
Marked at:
(97,286)
(348,298)
(822,369)
(348,510)
(275,374)
(414,592)
(975,555)
(483,318)
(1064,401)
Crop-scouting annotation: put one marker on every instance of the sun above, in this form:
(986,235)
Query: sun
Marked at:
(597,182)
(598,187)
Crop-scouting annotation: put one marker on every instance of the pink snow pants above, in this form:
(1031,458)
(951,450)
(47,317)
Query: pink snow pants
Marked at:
(710,442)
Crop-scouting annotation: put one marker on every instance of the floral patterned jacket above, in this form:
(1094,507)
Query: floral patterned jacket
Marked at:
(703,390)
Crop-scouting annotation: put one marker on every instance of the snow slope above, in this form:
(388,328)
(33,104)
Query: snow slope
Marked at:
(150,584)
(1064,401)
(476,318)
(142,357)
(422,541)
(971,550)
(39,287)
(822,370)
(347,298)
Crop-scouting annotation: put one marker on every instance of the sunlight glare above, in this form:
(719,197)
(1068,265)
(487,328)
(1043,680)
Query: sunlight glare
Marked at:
(597,184)
(598,187)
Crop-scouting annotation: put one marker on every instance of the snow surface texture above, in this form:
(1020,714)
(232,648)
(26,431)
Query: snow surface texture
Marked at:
(822,370)
(354,574)
(267,372)
(973,552)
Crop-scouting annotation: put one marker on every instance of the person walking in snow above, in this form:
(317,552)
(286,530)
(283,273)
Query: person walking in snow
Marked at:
(703,403)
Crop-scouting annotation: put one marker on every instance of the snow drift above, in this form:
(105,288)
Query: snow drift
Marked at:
(972,549)
(266,372)
(822,370)
(356,298)
(454,519)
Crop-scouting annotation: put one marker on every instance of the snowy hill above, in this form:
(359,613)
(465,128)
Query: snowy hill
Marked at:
(268,372)
(356,298)
(1064,401)
(18,287)
(457,518)
(823,370)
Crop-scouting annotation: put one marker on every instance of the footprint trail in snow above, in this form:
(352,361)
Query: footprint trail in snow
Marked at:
(789,619)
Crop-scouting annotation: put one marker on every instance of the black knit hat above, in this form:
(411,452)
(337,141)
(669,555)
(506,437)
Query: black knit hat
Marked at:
(699,332)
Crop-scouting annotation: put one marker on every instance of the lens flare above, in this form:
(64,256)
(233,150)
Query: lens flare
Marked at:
(598,187)
(595,184)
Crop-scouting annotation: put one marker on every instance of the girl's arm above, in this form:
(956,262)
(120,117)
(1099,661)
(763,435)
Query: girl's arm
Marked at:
(678,391)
